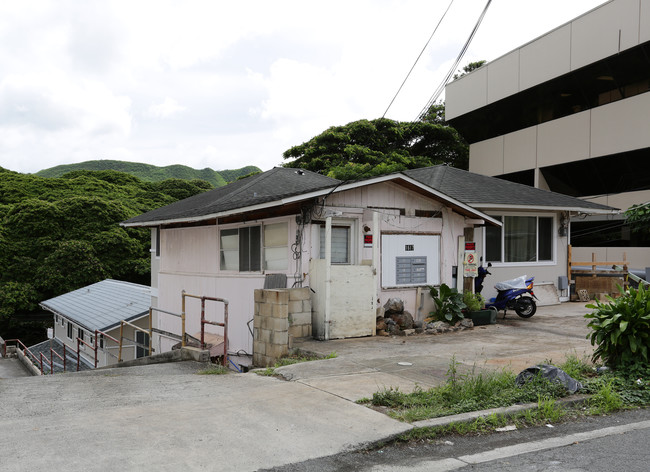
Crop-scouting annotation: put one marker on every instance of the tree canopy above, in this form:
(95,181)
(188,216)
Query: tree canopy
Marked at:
(373,147)
(638,216)
(60,234)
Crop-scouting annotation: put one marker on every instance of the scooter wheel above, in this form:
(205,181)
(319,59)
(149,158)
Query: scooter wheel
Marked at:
(525,307)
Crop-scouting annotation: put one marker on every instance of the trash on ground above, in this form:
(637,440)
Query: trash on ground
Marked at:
(550,372)
(511,427)
(404,363)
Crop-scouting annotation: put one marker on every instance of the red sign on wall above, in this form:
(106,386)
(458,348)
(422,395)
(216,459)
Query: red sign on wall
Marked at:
(470,246)
(367,240)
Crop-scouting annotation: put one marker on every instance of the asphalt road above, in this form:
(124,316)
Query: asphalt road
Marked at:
(594,444)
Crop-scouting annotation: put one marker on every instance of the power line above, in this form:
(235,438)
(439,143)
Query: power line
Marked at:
(442,85)
(418,58)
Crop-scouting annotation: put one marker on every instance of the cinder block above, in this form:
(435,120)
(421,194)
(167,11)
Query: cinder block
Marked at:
(279,324)
(266,309)
(306,306)
(276,296)
(258,295)
(295,332)
(276,351)
(302,293)
(281,311)
(266,336)
(301,319)
(257,320)
(259,347)
(280,338)
(295,306)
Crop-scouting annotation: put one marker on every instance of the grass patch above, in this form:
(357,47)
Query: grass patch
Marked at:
(292,359)
(464,393)
(548,411)
(613,390)
(214,370)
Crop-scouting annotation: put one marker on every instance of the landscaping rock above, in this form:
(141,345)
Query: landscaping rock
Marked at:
(466,323)
(439,326)
(394,305)
(403,320)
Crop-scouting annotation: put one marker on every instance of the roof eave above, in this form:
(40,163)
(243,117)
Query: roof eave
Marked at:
(595,211)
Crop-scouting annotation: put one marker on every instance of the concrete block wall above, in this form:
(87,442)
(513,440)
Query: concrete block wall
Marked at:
(280,315)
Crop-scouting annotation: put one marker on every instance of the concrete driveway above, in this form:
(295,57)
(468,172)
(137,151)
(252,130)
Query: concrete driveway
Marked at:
(366,365)
(165,417)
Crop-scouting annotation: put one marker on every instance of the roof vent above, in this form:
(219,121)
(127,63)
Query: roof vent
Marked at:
(300,172)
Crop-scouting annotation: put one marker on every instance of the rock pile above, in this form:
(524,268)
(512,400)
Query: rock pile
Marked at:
(392,319)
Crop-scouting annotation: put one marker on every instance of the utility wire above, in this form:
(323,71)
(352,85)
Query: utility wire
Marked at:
(418,58)
(442,85)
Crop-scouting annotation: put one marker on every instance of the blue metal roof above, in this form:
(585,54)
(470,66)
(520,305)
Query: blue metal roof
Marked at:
(102,305)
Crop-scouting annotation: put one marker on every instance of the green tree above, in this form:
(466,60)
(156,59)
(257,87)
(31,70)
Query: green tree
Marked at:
(72,265)
(638,216)
(469,68)
(373,147)
(59,234)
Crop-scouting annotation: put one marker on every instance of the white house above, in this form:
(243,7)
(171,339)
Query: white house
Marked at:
(569,112)
(355,244)
(98,307)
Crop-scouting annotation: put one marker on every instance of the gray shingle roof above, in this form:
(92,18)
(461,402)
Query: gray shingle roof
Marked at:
(471,189)
(273,185)
(102,305)
(480,190)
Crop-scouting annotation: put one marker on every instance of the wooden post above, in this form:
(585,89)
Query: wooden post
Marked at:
(568,269)
(593,266)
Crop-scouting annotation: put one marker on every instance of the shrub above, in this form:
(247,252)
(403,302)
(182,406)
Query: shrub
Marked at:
(621,328)
(474,301)
(449,304)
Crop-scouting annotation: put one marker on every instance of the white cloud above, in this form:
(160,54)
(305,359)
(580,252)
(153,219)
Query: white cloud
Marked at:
(167,108)
(227,84)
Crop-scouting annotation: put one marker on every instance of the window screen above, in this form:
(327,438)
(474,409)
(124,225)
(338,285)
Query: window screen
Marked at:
(340,244)
(276,240)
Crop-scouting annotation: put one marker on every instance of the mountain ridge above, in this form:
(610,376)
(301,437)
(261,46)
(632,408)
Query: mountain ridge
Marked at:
(152,173)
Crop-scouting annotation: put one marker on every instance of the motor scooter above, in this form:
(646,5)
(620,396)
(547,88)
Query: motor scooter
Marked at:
(516,294)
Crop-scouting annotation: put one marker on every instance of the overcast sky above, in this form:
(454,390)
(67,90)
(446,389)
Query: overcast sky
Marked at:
(227,84)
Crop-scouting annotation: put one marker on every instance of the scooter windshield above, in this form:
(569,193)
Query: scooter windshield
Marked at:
(518,283)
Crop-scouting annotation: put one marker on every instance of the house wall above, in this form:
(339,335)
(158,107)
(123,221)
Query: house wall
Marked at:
(544,272)
(396,209)
(190,261)
(103,358)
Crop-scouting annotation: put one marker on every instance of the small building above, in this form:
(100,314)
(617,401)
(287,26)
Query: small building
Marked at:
(354,244)
(86,314)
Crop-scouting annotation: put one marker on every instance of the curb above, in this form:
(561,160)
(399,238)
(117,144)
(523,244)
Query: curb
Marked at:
(506,411)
